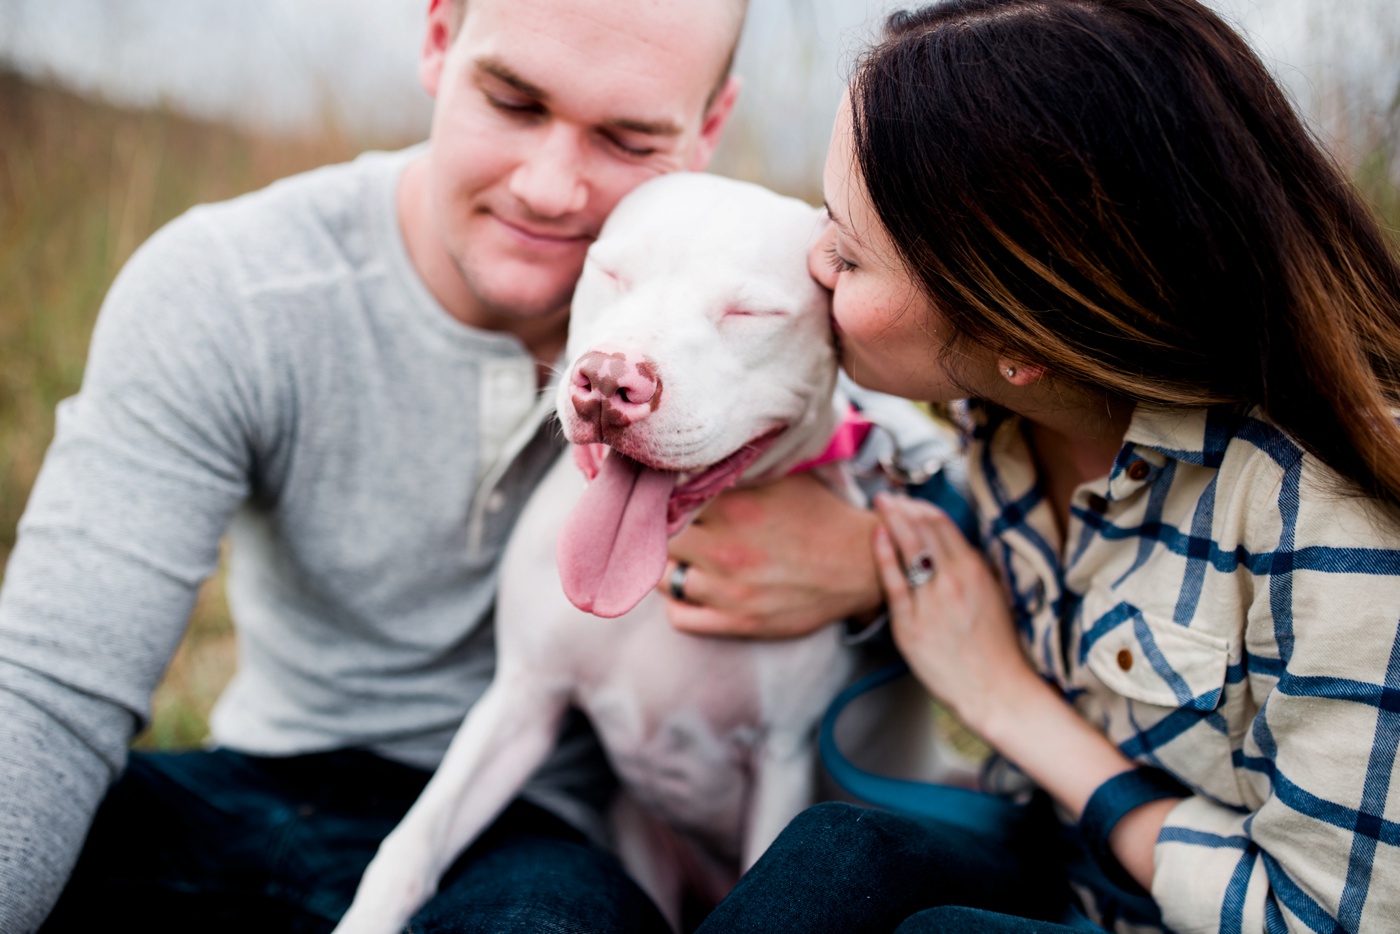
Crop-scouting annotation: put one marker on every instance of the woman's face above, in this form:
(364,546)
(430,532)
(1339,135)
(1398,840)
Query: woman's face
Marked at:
(888,331)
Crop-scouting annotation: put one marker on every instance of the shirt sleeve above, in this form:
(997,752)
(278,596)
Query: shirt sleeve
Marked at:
(1317,848)
(148,462)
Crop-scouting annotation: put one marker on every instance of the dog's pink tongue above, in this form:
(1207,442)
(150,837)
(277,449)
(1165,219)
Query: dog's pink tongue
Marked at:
(612,549)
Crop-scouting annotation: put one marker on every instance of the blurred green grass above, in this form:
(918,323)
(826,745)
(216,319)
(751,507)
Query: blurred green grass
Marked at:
(82,184)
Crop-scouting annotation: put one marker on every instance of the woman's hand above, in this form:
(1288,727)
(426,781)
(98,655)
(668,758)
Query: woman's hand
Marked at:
(774,562)
(955,630)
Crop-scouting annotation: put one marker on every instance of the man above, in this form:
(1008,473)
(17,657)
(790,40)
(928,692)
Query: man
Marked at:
(342,372)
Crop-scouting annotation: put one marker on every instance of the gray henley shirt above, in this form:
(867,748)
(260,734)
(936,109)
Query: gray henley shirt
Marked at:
(271,368)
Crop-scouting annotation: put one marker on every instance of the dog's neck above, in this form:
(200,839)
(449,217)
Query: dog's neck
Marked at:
(804,441)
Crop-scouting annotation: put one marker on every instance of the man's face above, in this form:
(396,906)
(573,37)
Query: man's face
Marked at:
(548,112)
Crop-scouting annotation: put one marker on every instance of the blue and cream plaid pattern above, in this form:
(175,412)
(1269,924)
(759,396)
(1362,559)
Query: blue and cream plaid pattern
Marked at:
(1222,608)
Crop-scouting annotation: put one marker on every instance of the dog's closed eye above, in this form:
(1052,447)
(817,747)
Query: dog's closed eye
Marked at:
(735,311)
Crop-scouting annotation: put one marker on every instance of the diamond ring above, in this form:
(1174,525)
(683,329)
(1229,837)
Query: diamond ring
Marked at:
(919,571)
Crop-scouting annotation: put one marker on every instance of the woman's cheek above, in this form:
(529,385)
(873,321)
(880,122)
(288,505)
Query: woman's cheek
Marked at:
(846,309)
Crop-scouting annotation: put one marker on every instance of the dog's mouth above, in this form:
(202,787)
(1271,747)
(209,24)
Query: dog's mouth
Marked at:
(691,489)
(612,549)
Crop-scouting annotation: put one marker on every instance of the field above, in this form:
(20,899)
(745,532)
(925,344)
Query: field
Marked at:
(81,186)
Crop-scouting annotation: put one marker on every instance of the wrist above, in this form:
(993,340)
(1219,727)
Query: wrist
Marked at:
(1110,812)
(1000,716)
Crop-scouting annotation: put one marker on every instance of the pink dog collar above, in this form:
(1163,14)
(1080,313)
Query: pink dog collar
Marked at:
(844,444)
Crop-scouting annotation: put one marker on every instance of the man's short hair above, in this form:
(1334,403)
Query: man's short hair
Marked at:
(741,11)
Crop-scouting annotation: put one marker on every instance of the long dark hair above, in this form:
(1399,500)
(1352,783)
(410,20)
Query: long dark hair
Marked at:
(1118,190)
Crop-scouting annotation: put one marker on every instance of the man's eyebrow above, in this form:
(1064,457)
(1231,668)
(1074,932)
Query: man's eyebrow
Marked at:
(502,72)
(646,127)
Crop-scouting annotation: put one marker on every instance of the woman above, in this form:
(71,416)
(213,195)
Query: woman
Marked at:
(1101,222)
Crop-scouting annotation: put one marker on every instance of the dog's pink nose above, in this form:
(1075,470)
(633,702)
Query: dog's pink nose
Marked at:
(613,391)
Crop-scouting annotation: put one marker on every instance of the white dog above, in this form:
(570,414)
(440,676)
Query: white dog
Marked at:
(701,356)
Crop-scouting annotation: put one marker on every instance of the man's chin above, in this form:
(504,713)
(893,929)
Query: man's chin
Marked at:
(520,292)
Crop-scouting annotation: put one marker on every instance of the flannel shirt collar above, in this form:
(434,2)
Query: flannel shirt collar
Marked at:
(1155,435)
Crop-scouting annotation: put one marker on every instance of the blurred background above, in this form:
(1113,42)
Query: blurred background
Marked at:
(117,116)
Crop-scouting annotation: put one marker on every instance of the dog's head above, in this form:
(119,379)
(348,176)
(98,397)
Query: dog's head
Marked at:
(700,352)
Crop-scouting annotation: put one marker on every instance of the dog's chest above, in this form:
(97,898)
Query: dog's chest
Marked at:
(679,717)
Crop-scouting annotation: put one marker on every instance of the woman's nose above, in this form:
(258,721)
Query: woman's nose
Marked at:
(818,260)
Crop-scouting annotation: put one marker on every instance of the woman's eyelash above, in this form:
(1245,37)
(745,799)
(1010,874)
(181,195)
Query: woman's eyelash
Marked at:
(837,261)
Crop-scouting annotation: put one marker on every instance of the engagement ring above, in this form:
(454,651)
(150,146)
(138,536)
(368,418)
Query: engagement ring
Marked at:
(918,572)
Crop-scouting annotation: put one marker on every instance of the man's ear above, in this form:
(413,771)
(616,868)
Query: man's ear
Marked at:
(435,45)
(715,120)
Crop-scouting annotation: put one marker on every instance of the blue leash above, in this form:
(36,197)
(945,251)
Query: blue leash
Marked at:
(976,811)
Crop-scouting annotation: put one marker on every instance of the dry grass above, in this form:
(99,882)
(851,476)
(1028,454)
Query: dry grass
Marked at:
(1376,178)
(81,185)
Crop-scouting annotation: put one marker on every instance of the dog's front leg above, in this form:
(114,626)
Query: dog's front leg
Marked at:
(507,735)
(784,784)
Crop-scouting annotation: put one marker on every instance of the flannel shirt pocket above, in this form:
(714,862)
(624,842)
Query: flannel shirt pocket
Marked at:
(1159,663)
(1162,687)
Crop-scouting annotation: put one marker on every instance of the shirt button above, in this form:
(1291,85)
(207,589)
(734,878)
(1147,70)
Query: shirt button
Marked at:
(1037,598)
(1138,470)
(1125,659)
(1098,504)
(495,501)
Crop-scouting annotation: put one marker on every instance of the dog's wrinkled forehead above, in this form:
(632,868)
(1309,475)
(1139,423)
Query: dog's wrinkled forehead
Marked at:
(694,221)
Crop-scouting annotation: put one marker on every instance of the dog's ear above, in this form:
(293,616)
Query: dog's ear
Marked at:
(713,123)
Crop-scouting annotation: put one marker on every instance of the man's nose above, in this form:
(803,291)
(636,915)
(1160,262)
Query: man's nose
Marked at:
(819,257)
(550,181)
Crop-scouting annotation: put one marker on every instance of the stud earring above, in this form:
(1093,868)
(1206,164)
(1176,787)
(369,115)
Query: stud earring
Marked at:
(1011,372)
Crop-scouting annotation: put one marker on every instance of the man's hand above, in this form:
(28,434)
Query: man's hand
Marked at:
(774,562)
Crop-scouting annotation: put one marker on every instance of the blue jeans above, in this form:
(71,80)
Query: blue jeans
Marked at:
(838,867)
(217,841)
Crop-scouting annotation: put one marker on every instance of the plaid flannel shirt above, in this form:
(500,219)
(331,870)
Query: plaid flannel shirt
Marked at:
(1220,608)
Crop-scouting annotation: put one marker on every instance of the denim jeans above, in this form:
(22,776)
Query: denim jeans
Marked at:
(838,867)
(220,842)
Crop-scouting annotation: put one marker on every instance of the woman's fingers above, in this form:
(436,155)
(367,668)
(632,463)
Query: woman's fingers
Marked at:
(919,528)
(891,568)
(909,557)
(944,532)
(903,526)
